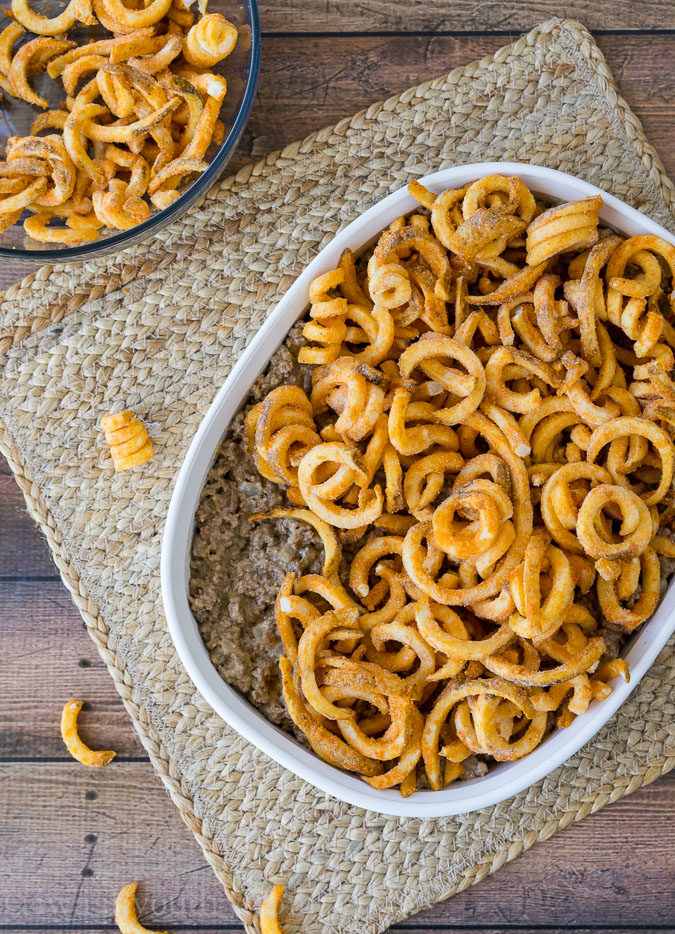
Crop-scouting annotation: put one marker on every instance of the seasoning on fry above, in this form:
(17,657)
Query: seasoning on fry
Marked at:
(269,911)
(127,438)
(74,744)
(125,912)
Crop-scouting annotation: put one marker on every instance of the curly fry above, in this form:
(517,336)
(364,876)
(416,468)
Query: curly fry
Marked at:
(77,11)
(125,912)
(74,744)
(209,41)
(269,911)
(33,56)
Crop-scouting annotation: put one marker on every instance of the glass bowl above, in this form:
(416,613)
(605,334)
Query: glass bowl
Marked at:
(241,71)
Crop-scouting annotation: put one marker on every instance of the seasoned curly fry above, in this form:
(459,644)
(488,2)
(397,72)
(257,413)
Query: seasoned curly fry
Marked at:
(209,41)
(127,438)
(8,38)
(31,57)
(77,11)
(125,912)
(269,911)
(74,744)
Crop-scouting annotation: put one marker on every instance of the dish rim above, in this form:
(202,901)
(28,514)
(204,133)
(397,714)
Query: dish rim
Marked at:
(125,239)
(504,780)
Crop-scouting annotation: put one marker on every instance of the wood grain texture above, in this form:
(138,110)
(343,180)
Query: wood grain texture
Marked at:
(310,82)
(73,836)
(339,16)
(24,549)
(47,657)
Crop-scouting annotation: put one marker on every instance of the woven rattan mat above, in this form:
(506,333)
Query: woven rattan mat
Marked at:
(156,330)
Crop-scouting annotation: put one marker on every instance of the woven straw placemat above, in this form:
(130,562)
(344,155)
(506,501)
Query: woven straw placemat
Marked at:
(156,330)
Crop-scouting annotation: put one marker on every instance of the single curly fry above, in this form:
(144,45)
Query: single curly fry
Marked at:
(444,630)
(559,508)
(482,229)
(73,73)
(319,496)
(489,507)
(486,191)
(126,19)
(13,203)
(74,744)
(34,55)
(610,598)
(325,744)
(565,227)
(209,41)
(587,298)
(625,426)
(281,431)
(127,438)
(50,120)
(425,479)
(428,354)
(74,140)
(539,617)
(125,912)
(521,675)
(163,199)
(497,374)
(52,150)
(37,227)
(119,209)
(269,911)
(77,11)
(106,47)
(354,390)
(124,133)
(168,50)
(389,285)
(8,38)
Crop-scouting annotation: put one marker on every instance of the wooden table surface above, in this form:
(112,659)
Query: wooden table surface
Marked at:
(71,837)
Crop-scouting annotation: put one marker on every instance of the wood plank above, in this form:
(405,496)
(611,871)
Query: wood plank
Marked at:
(458,16)
(46,657)
(293,16)
(23,549)
(72,836)
(310,82)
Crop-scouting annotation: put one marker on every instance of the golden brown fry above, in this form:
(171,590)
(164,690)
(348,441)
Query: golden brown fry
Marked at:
(209,41)
(125,912)
(30,57)
(127,438)
(8,37)
(74,744)
(77,11)
(269,911)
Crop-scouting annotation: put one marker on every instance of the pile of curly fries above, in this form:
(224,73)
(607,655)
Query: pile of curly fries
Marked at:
(140,112)
(490,430)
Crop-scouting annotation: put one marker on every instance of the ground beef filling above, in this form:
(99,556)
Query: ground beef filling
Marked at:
(237,566)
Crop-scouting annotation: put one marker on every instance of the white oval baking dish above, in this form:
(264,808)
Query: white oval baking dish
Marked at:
(504,780)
